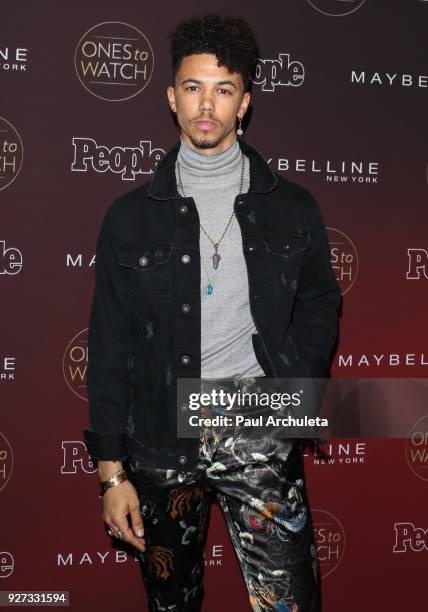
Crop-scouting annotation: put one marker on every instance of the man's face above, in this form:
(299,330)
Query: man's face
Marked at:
(207,99)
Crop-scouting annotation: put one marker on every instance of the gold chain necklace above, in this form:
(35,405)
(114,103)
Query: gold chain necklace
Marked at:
(216,255)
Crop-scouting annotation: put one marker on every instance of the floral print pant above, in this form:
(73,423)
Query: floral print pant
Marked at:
(259,484)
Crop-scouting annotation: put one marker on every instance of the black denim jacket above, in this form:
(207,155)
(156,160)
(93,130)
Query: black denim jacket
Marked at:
(145,319)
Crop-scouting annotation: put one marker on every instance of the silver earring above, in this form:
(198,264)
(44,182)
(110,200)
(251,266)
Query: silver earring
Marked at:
(240,131)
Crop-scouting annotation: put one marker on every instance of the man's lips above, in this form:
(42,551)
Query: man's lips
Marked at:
(204,124)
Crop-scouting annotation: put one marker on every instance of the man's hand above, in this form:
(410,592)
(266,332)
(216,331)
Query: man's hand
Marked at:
(118,502)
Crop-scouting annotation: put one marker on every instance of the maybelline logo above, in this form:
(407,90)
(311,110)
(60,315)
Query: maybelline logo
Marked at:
(78,261)
(382,359)
(126,161)
(7,368)
(390,79)
(94,558)
(418,264)
(269,73)
(342,453)
(331,171)
(214,556)
(10,259)
(410,538)
(117,557)
(13,58)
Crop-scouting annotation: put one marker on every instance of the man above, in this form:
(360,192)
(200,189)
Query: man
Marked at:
(251,295)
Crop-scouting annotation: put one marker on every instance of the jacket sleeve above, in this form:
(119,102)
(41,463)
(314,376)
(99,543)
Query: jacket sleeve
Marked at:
(108,371)
(314,325)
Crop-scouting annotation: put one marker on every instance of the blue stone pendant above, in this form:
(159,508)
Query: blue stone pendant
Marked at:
(209,289)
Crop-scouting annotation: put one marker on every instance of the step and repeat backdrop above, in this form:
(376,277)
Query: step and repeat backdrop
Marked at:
(339,105)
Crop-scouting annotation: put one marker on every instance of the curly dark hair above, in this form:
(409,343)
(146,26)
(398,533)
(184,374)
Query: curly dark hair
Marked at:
(229,38)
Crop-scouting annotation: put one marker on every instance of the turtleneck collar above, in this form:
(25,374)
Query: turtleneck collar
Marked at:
(204,165)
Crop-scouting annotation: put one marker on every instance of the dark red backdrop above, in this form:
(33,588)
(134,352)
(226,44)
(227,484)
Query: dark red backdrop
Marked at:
(340,106)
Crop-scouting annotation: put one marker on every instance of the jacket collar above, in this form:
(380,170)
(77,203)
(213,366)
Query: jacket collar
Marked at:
(163,186)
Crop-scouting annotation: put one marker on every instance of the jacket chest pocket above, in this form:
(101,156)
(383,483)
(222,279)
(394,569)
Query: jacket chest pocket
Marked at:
(285,254)
(147,266)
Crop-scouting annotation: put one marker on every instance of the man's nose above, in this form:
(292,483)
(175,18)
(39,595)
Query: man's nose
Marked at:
(206,103)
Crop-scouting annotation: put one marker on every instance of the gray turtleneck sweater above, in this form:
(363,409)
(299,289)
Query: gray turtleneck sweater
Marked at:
(213,181)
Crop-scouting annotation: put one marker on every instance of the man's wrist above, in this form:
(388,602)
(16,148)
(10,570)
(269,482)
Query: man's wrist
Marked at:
(106,469)
(117,478)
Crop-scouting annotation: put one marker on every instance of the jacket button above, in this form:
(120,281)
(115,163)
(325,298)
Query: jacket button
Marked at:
(185,258)
(241,201)
(183,209)
(182,459)
(185,308)
(185,359)
(252,248)
(286,246)
(143,261)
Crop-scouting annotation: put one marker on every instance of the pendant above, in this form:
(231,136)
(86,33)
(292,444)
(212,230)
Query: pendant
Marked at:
(209,289)
(216,257)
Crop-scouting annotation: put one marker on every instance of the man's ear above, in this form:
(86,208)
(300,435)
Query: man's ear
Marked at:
(244,103)
(170,92)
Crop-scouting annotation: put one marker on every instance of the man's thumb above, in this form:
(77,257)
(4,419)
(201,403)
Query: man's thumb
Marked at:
(137,523)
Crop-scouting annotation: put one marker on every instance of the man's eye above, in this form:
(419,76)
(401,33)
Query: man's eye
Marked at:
(226,91)
(191,87)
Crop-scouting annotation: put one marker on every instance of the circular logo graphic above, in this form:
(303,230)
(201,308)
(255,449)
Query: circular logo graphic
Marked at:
(343,257)
(6,564)
(11,153)
(75,362)
(417,448)
(6,461)
(329,540)
(114,61)
(336,8)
